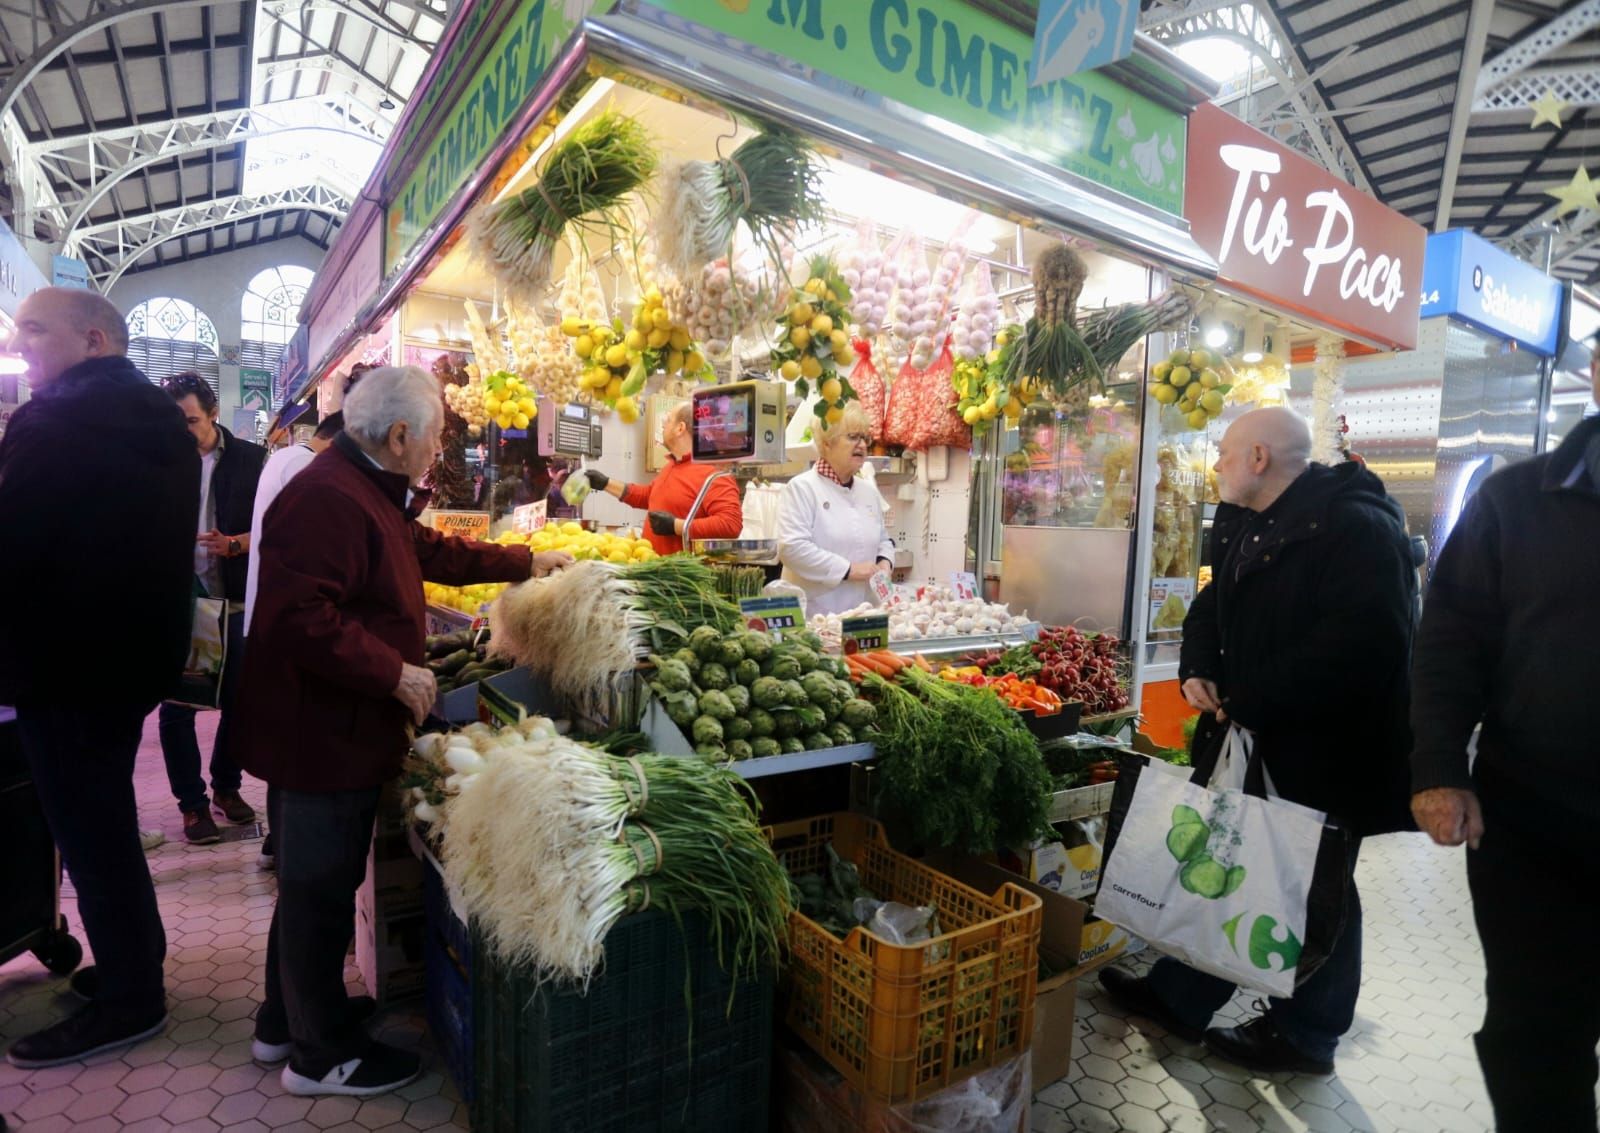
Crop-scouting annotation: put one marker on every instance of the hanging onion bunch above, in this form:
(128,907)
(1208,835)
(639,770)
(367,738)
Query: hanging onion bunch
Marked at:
(772,183)
(815,343)
(585,182)
(1051,351)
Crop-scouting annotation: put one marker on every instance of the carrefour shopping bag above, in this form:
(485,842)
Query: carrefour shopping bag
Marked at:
(1222,876)
(200,685)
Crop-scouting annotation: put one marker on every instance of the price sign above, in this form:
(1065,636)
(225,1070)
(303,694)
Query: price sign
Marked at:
(883,590)
(775,615)
(964,583)
(865,633)
(529,518)
(495,708)
(466,524)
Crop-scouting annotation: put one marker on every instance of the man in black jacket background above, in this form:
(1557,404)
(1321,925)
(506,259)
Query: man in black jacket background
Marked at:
(1509,639)
(132,494)
(230,470)
(1303,637)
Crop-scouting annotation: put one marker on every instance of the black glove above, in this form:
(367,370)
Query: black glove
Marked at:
(663,523)
(597,479)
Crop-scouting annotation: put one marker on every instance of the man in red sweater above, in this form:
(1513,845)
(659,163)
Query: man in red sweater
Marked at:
(671,494)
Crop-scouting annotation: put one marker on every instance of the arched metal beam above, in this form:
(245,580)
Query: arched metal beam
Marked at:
(119,244)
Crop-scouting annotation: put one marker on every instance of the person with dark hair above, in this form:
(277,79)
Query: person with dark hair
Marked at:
(281,467)
(132,486)
(229,471)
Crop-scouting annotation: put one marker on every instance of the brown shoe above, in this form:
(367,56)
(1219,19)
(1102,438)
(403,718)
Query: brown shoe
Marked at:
(199,829)
(234,808)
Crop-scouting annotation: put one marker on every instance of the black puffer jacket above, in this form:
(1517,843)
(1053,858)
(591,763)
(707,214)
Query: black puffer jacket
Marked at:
(1306,629)
(99,501)
(1509,633)
(234,486)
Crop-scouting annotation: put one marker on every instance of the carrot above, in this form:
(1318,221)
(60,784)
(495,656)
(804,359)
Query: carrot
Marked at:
(893,660)
(922,663)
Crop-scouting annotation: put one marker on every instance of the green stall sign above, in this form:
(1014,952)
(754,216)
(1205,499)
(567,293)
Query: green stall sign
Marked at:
(948,60)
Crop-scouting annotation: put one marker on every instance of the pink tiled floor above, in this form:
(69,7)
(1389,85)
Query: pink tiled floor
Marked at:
(198,1077)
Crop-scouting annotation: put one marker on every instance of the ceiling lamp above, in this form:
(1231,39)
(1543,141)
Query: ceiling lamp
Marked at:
(386,103)
(1255,334)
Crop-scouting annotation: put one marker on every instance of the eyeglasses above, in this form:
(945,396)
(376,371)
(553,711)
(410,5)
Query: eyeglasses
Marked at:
(859,438)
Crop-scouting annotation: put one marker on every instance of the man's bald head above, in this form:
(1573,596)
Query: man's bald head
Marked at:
(60,327)
(1261,454)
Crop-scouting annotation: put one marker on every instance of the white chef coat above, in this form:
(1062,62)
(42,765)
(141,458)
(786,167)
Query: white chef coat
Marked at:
(824,527)
(281,467)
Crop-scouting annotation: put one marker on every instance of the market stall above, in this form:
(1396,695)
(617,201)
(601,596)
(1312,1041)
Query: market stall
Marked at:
(588,221)
(19,278)
(1311,273)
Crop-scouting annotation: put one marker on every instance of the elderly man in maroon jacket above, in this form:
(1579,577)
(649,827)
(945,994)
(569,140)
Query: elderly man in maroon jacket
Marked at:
(331,681)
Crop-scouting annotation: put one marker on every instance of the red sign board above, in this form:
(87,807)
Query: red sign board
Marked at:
(1288,232)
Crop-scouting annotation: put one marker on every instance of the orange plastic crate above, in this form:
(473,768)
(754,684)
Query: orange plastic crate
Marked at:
(904,1021)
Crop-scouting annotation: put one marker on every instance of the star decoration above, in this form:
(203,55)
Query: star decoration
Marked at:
(1548,109)
(1579,193)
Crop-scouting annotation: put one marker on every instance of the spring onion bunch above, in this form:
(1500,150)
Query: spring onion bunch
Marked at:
(772,183)
(596,837)
(584,183)
(1052,351)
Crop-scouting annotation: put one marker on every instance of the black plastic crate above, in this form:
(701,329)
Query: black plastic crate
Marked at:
(449,1011)
(442,920)
(622,1057)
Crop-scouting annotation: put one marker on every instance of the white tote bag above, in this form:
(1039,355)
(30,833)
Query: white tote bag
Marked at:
(1213,876)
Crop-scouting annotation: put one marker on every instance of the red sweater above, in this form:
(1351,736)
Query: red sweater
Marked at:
(721,515)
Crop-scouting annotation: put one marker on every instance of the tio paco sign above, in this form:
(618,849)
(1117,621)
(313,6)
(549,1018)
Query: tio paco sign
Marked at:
(1296,237)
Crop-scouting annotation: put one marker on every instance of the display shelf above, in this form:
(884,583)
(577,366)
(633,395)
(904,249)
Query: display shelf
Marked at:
(668,739)
(1081,802)
(971,643)
(1109,717)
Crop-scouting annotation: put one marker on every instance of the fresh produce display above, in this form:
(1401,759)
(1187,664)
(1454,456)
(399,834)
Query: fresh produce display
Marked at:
(585,183)
(1193,381)
(716,305)
(742,695)
(1180,485)
(1073,765)
(580,544)
(1051,350)
(619,360)
(862,265)
(978,320)
(1019,694)
(735,581)
(921,310)
(981,390)
(771,183)
(1111,332)
(1086,667)
(463,599)
(540,357)
(461,658)
(594,838)
(581,296)
(447,478)
(934,612)
(584,627)
(815,340)
(953,762)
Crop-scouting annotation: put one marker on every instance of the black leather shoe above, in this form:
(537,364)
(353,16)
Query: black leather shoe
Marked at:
(1134,995)
(89,1032)
(1257,1045)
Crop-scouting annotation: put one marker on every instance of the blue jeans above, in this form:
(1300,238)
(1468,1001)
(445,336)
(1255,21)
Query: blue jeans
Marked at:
(181,750)
(1322,1008)
(82,763)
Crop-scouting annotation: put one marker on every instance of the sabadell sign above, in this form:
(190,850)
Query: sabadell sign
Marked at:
(1291,234)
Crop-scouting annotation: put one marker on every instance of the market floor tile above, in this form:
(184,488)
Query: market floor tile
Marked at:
(1407,1066)
(198,1076)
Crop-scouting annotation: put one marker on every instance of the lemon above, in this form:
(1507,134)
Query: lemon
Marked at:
(584,345)
(845,357)
(661,319)
(1197,419)
(1211,402)
(1178,358)
(1013,410)
(491,406)
(1180,376)
(613,389)
(674,361)
(832,416)
(831,389)
(627,405)
(840,341)
(658,338)
(971,415)
(617,356)
(810,367)
(1199,359)
(634,341)
(822,324)
(1165,394)
(528,406)
(572,326)
(801,337)
(503,421)
(815,287)
(790,370)
(679,339)
(521,420)
(694,362)
(1160,371)
(801,314)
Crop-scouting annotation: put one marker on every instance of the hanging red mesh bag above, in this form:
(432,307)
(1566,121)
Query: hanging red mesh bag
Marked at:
(868,384)
(933,400)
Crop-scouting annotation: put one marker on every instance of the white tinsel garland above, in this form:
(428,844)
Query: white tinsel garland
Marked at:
(1327,391)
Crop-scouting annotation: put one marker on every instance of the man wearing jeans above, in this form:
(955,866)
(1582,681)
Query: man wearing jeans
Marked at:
(332,678)
(229,471)
(1304,638)
(131,487)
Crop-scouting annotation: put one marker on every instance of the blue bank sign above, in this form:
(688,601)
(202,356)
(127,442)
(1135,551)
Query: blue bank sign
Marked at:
(1468,278)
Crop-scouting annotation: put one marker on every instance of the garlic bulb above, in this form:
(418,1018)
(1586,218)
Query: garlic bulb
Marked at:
(979,317)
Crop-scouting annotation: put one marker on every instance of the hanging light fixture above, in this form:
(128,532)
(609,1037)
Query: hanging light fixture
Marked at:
(386,103)
(1283,343)
(1255,334)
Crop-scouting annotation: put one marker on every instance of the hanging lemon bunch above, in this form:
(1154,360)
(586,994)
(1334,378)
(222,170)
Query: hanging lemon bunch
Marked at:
(509,401)
(1191,380)
(814,343)
(618,360)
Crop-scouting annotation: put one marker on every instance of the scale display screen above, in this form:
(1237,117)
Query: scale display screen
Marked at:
(739,421)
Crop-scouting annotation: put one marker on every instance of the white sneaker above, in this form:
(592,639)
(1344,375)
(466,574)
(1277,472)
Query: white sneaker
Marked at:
(150,839)
(382,1069)
(270,1053)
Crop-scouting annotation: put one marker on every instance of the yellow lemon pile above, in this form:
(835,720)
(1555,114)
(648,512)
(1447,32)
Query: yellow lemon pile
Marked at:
(1190,380)
(617,359)
(464,599)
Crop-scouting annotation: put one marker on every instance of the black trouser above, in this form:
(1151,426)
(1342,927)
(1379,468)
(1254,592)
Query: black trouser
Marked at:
(322,840)
(1536,896)
(181,749)
(82,756)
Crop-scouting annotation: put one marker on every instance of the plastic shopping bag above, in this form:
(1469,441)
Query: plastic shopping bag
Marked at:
(200,686)
(1224,877)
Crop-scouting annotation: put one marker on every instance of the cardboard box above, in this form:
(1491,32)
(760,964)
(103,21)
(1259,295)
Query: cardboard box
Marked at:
(1072,873)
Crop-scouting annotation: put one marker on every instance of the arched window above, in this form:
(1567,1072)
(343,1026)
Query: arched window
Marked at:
(269,313)
(168,336)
